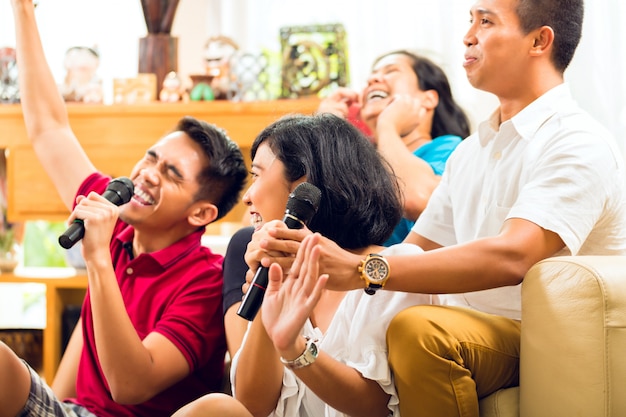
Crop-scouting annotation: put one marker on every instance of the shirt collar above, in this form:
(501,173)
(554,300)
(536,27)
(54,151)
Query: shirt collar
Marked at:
(172,253)
(530,119)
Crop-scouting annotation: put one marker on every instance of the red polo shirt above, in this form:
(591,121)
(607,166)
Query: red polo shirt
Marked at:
(176,292)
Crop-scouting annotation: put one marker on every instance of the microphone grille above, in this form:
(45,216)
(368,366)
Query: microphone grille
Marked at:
(303,202)
(123,188)
(307,192)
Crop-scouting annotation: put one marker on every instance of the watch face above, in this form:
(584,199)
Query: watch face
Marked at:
(376,270)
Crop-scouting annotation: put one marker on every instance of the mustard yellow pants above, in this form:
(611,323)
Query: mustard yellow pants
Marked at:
(445,358)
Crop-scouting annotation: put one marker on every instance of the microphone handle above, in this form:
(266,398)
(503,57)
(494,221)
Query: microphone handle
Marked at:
(73,234)
(253,298)
(251,302)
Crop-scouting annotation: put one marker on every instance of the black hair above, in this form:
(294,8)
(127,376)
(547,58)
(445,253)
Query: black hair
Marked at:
(361,199)
(449,117)
(565,17)
(224,176)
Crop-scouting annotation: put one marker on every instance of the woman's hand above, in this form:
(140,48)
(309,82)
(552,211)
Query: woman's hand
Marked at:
(338,102)
(404,113)
(288,303)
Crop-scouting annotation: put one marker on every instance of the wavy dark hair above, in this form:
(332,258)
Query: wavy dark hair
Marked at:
(449,117)
(224,177)
(361,199)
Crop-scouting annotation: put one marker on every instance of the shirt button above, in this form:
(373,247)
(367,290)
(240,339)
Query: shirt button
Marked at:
(497,155)
(129,271)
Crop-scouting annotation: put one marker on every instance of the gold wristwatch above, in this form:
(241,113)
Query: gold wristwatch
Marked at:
(374,269)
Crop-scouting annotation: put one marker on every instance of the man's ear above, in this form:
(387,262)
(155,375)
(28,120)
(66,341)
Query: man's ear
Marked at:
(202,214)
(542,40)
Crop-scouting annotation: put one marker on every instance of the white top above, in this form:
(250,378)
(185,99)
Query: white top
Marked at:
(551,164)
(357,337)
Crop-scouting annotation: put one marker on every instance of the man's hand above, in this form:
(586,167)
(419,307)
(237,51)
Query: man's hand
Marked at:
(99,217)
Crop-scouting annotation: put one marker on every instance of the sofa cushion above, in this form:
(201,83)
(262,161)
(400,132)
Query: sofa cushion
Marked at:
(502,403)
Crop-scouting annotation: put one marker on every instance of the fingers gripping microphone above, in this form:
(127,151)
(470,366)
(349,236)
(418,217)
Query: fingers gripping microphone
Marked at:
(301,207)
(119,191)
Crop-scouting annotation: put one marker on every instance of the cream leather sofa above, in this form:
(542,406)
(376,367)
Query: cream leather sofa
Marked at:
(573,346)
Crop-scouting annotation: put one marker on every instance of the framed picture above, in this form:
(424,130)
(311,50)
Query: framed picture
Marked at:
(314,59)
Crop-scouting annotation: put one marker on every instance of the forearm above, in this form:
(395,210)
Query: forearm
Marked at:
(125,361)
(41,101)
(64,383)
(476,266)
(259,373)
(344,388)
(416,176)
(44,112)
(482,264)
(486,263)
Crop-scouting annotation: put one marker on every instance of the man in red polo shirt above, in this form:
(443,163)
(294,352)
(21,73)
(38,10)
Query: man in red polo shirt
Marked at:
(150,337)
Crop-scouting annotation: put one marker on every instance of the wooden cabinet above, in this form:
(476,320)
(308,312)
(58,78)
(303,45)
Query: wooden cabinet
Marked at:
(115,137)
(61,290)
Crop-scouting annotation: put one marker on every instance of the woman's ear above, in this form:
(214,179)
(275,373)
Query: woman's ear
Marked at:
(431,99)
(202,214)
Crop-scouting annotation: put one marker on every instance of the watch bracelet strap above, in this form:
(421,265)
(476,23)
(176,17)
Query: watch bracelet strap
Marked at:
(300,361)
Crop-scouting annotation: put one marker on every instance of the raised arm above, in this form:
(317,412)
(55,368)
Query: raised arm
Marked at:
(415,175)
(45,115)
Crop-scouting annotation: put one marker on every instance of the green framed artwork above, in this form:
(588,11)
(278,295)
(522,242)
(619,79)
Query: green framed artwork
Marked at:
(314,59)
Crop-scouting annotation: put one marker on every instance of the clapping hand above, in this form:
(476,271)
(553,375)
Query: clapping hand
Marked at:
(288,303)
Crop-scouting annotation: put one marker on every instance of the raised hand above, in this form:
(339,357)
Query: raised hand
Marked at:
(404,112)
(289,302)
(338,102)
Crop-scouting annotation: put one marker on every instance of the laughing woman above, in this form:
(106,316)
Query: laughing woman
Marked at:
(312,352)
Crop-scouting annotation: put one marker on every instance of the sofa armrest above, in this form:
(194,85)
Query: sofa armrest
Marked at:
(573,343)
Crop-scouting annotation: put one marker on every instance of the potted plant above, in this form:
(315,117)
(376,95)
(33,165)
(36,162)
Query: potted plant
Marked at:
(8,246)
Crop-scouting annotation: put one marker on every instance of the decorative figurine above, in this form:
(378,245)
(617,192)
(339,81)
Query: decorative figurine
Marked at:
(9,89)
(81,81)
(172,89)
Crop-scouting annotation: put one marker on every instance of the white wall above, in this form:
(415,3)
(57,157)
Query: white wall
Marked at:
(373,27)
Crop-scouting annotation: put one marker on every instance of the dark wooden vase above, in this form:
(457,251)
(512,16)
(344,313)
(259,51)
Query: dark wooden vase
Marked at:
(158,54)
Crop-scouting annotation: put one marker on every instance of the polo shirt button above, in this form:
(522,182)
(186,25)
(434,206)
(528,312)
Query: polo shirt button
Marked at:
(129,271)
(497,156)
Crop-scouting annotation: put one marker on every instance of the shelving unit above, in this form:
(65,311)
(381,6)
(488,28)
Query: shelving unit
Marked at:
(61,290)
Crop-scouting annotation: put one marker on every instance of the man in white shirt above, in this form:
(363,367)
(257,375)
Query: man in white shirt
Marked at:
(539,179)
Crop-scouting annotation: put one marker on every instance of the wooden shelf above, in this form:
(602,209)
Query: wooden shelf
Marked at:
(67,288)
(116,136)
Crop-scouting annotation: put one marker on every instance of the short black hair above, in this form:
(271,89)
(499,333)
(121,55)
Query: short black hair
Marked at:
(223,178)
(565,17)
(361,199)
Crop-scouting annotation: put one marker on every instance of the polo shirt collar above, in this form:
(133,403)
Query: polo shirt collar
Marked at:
(172,253)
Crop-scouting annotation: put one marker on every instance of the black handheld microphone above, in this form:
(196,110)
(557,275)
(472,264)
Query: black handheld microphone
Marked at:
(301,207)
(119,191)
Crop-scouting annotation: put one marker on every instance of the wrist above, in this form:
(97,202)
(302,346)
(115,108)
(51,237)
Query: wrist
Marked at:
(292,352)
(307,357)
